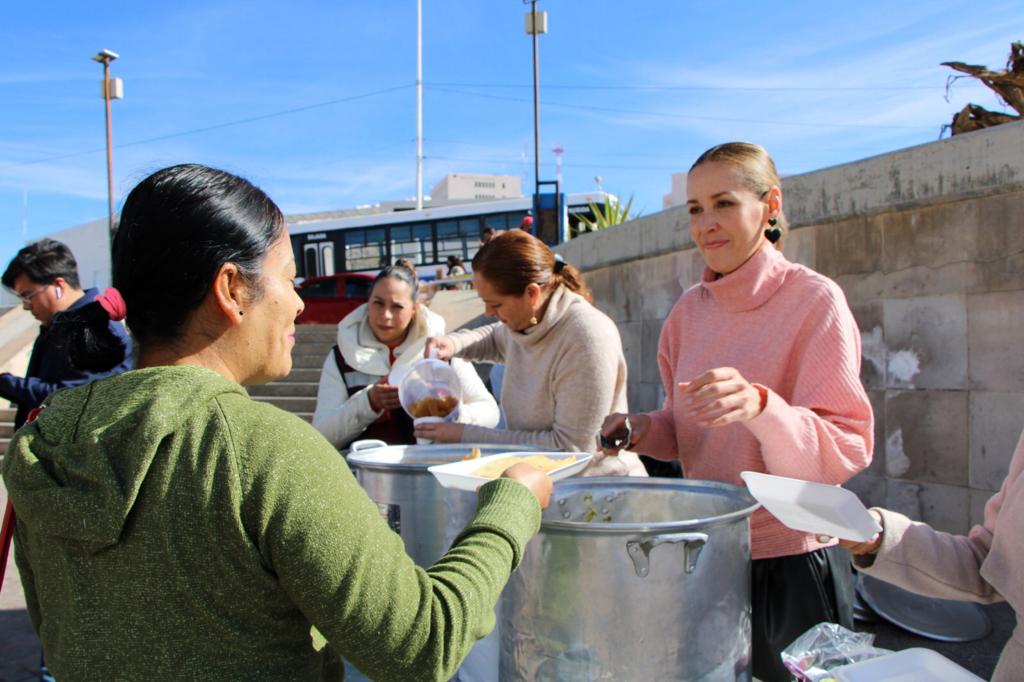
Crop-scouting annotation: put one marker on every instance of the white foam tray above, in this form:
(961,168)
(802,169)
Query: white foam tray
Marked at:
(813,507)
(459,474)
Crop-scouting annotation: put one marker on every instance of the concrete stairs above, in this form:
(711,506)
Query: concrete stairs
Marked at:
(296,393)
(6,428)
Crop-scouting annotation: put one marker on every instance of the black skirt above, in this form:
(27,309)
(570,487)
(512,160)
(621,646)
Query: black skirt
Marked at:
(790,595)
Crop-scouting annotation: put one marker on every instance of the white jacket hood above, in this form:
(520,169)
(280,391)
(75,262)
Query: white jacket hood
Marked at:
(364,353)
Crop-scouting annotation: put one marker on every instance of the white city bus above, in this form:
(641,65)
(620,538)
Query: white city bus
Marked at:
(366,243)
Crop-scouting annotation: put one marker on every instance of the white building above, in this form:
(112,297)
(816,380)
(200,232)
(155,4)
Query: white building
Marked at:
(472,186)
(677,197)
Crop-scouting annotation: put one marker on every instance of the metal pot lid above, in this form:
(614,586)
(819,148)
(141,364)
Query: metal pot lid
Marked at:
(641,505)
(419,457)
(944,620)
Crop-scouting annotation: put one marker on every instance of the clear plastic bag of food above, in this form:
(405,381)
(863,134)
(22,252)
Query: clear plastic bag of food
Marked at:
(431,389)
(816,654)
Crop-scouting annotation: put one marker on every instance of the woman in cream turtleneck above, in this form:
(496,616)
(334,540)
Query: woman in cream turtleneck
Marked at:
(564,367)
(761,363)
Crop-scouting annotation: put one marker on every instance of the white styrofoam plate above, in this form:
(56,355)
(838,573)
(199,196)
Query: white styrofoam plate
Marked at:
(813,507)
(460,474)
(909,665)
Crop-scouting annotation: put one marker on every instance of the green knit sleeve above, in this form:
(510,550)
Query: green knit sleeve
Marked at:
(338,561)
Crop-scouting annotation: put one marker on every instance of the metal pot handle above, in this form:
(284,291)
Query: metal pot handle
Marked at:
(367,444)
(639,550)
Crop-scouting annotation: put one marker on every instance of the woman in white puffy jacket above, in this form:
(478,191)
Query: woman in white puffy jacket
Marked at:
(355,399)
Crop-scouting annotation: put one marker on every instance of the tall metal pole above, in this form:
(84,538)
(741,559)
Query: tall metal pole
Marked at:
(536,103)
(110,152)
(419,104)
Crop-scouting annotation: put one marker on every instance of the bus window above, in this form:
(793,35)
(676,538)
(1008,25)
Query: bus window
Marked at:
(365,249)
(310,261)
(458,238)
(415,242)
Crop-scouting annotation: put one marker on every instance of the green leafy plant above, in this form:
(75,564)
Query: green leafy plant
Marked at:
(613,213)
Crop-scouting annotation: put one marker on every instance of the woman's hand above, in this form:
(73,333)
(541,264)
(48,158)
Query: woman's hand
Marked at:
(614,429)
(383,396)
(869,547)
(440,432)
(444,346)
(720,396)
(533,478)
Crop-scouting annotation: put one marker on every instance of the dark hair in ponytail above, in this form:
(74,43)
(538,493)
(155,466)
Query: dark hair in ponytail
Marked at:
(177,228)
(91,345)
(513,260)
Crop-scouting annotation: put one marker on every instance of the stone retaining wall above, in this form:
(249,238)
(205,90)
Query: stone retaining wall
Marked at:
(928,244)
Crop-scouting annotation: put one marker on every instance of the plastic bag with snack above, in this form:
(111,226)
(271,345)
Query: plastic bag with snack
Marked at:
(430,391)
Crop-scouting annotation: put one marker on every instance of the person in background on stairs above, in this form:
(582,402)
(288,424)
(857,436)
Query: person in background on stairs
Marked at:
(44,276)
(356,398)
(170,527)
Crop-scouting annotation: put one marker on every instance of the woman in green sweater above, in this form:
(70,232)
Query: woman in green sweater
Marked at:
(170,528)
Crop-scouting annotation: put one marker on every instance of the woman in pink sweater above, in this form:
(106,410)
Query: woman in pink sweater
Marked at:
(984,566)
(760,363)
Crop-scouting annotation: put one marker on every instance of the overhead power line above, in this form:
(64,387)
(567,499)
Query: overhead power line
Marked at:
(567,165)
(658,114)
(216,126)
(698,88)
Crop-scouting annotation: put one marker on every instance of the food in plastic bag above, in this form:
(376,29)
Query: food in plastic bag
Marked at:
(434,407)
(816,654)
(430,389)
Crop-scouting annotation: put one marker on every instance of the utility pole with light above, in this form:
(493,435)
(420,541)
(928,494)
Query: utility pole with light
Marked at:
(536,23)
(549,208)
(419,104)
(113,88)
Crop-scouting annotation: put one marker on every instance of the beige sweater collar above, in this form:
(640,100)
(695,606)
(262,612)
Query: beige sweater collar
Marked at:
(560,304)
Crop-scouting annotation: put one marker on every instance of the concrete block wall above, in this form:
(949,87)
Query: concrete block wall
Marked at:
(928,245)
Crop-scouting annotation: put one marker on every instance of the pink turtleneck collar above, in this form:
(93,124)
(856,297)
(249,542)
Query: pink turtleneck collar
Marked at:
(750,285)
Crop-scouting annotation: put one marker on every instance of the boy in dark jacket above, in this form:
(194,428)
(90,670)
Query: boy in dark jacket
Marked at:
(44,275)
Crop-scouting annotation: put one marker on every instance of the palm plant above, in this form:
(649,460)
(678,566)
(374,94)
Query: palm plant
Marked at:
(613,213)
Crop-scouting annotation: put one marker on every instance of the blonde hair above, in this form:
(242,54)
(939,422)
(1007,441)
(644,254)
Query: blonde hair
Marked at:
(756,168)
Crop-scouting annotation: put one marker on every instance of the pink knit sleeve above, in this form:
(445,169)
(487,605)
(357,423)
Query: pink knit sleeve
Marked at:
(826,432)
(660,441)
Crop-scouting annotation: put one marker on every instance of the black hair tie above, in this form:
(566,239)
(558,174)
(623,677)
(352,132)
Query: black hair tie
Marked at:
(559,263)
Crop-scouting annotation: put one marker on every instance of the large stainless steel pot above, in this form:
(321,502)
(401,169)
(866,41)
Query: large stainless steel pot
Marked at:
(633,579)
(427,516)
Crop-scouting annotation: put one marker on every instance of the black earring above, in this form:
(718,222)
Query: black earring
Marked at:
(773,234)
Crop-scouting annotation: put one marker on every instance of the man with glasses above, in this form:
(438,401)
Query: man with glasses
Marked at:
(44,275)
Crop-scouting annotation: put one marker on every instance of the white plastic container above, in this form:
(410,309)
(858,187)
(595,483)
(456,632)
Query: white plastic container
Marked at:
(909,665)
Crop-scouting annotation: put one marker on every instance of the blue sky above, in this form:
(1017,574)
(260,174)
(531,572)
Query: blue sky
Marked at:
(315,101)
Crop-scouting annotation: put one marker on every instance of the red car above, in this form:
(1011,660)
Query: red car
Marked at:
(328,299)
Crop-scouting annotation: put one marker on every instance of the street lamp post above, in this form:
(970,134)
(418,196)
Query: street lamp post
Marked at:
(536,23)
(419,105)
(112,89)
